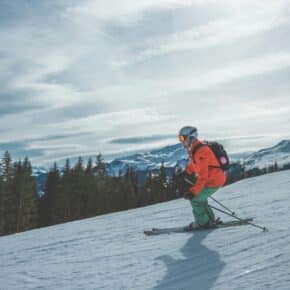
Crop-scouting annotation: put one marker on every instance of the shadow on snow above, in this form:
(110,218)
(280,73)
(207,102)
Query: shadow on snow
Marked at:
(199,269)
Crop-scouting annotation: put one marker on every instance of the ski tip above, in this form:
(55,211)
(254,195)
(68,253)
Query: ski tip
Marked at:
(149,232)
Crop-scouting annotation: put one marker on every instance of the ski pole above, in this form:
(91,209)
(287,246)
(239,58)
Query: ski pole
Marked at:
(230,211)
(234,216)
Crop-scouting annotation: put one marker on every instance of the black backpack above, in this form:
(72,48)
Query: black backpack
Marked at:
(219,152)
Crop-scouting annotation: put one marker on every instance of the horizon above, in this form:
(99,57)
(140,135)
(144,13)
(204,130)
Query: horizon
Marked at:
(236,155)
(82,78)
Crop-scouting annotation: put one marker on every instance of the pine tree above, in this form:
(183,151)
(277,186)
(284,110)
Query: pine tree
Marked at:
(67,168)
(148,196)
(101,169)
(27,199)
(104,186)
(174,184)
(77,190)
(9,197)
(52,200)
(66,185)
(2,220)
(160,185)
(130,189)
(89,199)
(7,167)
(116,189)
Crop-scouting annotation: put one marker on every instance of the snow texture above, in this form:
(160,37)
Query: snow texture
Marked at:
(111,252)
(279,153)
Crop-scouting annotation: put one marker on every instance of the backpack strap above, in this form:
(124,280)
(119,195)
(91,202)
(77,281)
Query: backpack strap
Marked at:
(195,150)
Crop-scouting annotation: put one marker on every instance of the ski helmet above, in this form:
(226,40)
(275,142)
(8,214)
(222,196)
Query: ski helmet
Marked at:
(187,133)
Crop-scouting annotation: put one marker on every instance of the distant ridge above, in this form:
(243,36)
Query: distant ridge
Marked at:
(279,153)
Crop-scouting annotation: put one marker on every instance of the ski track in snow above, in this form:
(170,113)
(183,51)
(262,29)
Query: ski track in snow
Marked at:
(111,252)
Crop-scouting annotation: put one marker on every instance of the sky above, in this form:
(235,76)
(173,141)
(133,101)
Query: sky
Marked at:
(83,77)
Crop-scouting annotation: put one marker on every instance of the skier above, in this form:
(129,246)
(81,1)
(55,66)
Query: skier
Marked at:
(209,176)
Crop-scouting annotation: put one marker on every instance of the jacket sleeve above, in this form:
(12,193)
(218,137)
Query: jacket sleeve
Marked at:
(202,174)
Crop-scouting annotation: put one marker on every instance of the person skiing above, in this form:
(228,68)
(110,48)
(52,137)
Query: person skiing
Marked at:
(209,176)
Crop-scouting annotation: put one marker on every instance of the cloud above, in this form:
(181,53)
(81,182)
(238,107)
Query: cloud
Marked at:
(113,77)
(241,69)
(217,32)
(126,12)
(215,82)
(111,122)
(141,139)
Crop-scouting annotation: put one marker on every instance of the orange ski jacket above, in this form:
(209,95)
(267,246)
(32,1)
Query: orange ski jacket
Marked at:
(206,166)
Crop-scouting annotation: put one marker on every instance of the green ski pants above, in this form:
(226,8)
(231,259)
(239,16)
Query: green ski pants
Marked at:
(201,210)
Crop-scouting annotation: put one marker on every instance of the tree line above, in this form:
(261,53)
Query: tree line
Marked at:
(74,192)
(83,191)
(19,202)
(86,190)
(238,171)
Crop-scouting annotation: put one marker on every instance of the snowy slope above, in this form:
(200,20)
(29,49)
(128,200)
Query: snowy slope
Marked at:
(111,252)
(279,153)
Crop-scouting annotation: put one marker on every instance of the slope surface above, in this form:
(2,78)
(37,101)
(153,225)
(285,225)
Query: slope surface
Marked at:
(111,252)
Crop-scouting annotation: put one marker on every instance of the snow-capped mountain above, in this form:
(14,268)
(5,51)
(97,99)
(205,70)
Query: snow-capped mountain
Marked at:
(170,156)
(279,153)
(175,155)
(38,170)
(111,252)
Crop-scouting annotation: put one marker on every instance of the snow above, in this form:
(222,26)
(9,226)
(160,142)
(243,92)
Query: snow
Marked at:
(169,156)
(279,153)
(111,252)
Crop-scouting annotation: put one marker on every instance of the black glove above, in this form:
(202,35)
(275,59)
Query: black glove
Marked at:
(185,180)
(190,179)
(188,196)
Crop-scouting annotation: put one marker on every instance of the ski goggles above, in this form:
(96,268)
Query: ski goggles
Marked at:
(181,138)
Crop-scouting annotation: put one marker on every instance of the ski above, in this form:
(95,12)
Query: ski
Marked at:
(185,229)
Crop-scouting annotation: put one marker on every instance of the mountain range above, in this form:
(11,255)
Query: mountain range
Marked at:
(173,156)
(176,156)
(279,153)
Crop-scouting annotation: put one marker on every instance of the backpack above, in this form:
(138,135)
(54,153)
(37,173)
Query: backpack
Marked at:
(219,152)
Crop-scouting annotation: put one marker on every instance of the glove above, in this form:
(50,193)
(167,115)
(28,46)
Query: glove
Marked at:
(188,196)
(190,178)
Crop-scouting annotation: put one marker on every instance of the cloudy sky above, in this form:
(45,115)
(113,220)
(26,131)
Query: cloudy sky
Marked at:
(82,77)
